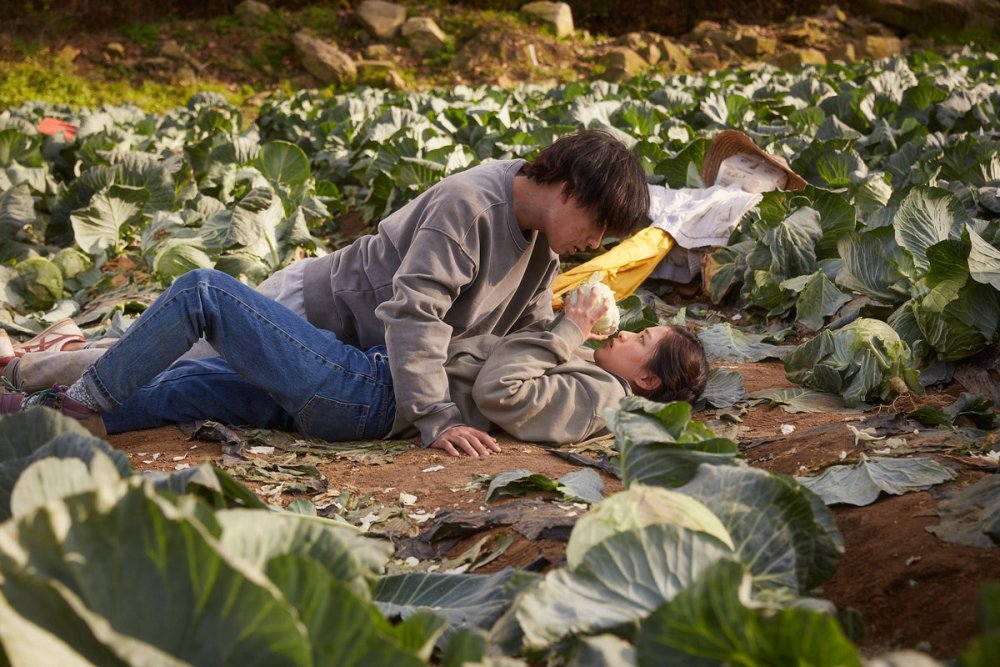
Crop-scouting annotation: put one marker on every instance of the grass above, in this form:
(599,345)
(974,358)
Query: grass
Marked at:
(54,81)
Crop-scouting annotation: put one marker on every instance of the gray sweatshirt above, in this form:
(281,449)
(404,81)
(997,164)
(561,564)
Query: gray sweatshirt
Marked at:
(450,264)
(539,386)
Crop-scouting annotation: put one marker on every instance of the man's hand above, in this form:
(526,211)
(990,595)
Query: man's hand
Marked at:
(463,439)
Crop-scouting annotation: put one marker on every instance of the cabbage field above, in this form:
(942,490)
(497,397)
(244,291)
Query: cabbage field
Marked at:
(876,283)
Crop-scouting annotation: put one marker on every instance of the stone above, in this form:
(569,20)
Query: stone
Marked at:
(171,49)
(114,49)
(394,80)
(381,19)
(879,46)
(702,28)
(835,13)
(621,63)
(558,14)
(844,52)
(705,60)
(322,60)
(423,34)
(251,10)
(796,58)
(378,52)
(672,54)
(934,16)
(755,45)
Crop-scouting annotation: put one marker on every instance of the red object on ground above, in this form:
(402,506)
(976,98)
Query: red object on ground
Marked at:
(50,126)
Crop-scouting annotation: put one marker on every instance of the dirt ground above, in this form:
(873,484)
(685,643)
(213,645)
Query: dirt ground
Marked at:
(912,589)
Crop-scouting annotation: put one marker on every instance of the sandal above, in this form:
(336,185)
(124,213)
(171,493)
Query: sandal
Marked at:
(53,338)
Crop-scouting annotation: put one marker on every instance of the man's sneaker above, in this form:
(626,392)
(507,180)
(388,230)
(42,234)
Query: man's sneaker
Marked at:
(53,338)
(55,398)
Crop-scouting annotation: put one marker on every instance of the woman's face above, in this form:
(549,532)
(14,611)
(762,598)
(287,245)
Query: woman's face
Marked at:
(626,354)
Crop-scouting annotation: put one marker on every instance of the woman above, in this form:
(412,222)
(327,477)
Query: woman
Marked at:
(278,371)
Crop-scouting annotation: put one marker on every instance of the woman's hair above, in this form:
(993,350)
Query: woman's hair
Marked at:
(680,363)
(601,173)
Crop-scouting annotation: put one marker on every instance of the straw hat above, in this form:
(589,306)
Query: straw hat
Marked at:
(732,142)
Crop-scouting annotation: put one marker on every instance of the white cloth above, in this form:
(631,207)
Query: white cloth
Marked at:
(696,218)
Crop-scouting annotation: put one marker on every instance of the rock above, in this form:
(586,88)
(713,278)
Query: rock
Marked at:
(185,75)
(324,61)
(672,54)
(878,46)
(705,60)
(395,80)
(381,19)
(844,52)
(934,16)
(378,52)
(810,33)
(835,13)
(796,58)
(114,49)
(68,54)
(558,14)
(423,34)
(703,28)
(171,49)
(621,63)
(251,10)
(755,46)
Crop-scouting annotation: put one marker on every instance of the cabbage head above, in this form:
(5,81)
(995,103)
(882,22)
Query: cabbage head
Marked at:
(865,361)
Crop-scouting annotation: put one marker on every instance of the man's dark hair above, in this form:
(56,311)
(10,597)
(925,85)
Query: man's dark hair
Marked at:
(680,363)
(602,174)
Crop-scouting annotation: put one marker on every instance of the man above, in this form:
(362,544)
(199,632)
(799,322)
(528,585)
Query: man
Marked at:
(474,254)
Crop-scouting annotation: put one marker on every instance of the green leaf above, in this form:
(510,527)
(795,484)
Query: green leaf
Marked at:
(927,216)
(466,600)
(343,627)
(97,227)
(259,537)
(17,210)
(39,282)
(793,243)
(635,508)
(861,484)
(726,343)
(985,648)
(984,261)
(782,532)
(283,162)
(153,571)
(714,622)
(724,388)
(971,515)
(18,148)
(868,267)
(583,485)
(803,400)
(518,483)
(818,299)
(620,580)
(173,260)
(974,408)
(660,445)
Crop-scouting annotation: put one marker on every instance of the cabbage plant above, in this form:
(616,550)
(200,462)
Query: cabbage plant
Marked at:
(864,361)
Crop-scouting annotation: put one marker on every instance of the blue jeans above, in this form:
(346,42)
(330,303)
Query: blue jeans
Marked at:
(275,370)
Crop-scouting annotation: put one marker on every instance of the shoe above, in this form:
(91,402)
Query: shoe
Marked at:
(6,349)
(53,338)
(55,398)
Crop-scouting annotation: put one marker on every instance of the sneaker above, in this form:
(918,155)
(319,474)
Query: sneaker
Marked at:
(6,349)
(55,398)
(53,338)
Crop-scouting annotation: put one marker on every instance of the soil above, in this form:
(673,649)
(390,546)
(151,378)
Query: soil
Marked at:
(911,589)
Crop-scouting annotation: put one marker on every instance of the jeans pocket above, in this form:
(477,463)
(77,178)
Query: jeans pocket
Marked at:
(330,419)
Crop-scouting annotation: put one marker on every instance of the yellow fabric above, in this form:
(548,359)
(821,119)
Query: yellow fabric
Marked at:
(624,267)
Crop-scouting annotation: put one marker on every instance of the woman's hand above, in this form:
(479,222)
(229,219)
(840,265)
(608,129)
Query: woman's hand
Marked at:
(584,307)
(463,439)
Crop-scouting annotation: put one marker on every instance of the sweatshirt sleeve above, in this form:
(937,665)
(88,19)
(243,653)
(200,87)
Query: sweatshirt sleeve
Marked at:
(431,277)
(533,387)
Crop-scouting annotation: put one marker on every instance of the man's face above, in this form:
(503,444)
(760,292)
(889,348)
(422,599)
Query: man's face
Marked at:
(572,228)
